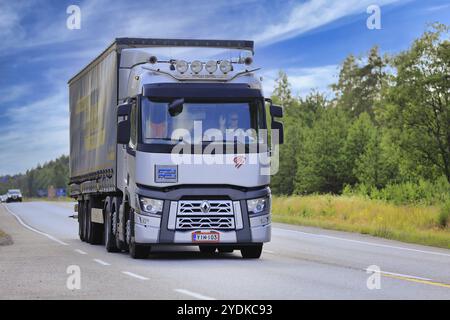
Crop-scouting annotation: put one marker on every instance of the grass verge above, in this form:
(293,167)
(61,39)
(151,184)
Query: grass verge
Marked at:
(408,223)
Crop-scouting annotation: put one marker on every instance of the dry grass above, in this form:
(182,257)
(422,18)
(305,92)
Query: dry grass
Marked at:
(415,224)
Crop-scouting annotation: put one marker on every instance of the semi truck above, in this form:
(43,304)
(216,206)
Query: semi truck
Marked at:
(166,150)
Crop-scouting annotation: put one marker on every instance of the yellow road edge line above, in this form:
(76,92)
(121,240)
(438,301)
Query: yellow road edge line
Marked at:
(431,283)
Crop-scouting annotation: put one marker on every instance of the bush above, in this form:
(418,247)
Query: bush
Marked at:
(444,215)
(421,192)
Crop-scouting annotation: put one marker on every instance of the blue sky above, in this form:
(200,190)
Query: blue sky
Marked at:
(307,39)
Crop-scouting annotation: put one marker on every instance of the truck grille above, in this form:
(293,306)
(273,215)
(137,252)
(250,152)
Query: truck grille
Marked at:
(205,207)
(186,223)
(205,214)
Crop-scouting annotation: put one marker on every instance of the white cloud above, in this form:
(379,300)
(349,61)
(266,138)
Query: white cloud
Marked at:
(312,14)
(34,132)
(13,92)
(303,80)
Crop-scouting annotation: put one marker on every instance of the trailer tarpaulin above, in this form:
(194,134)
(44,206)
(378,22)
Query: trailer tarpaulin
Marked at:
(93,101)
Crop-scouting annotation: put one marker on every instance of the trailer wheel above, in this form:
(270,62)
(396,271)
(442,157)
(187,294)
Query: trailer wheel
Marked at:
(207,249)
(110,237)
(81,232)
(251,252)
(94,230)
(85,221)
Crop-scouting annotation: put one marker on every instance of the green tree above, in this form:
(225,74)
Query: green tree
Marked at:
(320,165)
(360,83)
(418,103)
(360,132)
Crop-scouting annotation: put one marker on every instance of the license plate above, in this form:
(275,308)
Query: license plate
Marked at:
(205,237)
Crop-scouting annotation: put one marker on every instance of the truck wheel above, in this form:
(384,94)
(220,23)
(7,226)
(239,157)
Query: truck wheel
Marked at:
(207,249)
(85,219)
(110,238)
(117,201)
(94,230)
(226,249)
(138,251)
(81,233)
(251,252)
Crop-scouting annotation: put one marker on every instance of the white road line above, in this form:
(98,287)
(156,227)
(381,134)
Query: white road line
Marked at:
(193,294)
(103,263)
(34,230)
(80,251)
(134,275)
(268,251)
(364,242)
(398,274)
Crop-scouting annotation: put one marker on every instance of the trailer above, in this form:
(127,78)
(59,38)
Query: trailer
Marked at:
(172,151)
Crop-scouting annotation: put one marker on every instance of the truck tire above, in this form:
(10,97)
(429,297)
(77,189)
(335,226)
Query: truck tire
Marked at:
(110,237)
(251,252)
(138,251)
(81,232)
(207,249)
(117,201)
(94,230)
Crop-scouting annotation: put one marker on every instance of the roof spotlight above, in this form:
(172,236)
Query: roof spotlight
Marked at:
(211,66)
(225,66)
(182,66)
(196,66)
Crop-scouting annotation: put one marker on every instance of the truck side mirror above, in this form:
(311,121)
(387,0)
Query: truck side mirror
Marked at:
(276,111)
(123,123)
(276,125)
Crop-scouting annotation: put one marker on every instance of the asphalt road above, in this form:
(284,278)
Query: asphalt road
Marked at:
(299,263)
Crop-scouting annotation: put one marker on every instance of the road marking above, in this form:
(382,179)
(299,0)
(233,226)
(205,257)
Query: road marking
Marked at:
(418,280)
(268,251)
(34,230)
(364,242)
(193,294)
(103,263)
(398,275)
(80,251)
(134,275)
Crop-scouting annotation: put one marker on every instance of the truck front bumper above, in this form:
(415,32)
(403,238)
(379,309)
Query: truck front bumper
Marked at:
(147,234)
(164,229)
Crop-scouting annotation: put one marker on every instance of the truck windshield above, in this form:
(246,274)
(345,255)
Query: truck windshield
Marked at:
(202,122)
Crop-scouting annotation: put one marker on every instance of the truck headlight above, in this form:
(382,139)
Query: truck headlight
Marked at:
(258,205)
(151,206)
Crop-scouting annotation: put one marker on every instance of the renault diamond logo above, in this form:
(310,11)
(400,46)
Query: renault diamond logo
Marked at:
(205,206)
